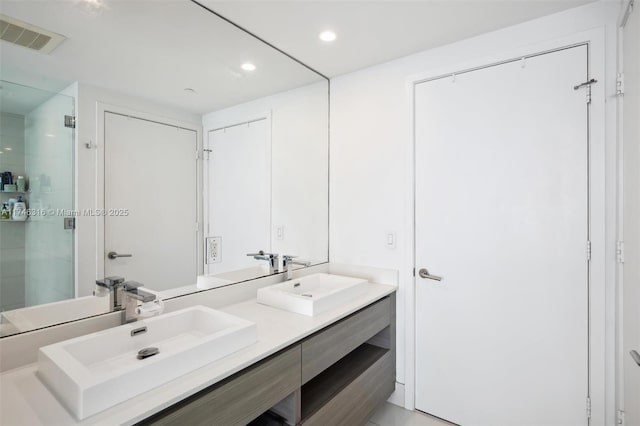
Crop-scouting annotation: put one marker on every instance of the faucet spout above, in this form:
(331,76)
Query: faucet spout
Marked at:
(132,295)
(288,260)
(272,258)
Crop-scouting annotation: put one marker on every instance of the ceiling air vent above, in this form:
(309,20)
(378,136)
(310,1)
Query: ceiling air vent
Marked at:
(27,35)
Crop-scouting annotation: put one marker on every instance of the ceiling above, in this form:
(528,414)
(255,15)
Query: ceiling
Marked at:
(372,32)
(151,49)
(154,49)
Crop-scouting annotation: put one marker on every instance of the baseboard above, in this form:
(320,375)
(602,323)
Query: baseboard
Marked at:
(397,397)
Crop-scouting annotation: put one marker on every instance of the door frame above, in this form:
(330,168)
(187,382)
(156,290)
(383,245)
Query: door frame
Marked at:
(601,221)
(101,110)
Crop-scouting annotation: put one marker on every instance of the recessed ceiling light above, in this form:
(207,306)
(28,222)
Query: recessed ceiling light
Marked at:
(8,149)
(248,66)
(328,36)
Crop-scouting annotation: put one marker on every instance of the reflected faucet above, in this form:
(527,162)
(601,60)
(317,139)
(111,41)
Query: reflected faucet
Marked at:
(287,261)
(272,258)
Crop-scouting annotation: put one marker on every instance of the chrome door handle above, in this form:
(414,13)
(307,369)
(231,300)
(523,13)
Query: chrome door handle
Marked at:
(636,357)
(113,255)
(425,274)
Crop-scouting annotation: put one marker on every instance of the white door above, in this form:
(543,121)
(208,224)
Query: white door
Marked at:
(501,215)
(239,170)
(631,283)
(150,174)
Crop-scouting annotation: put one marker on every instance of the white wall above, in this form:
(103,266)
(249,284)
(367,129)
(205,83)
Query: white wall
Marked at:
(630,291)
(371,158)
(88,98)
(299,164)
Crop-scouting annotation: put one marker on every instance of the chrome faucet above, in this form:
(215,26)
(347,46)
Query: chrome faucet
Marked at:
(112,285)
(132,294)
(272,258)
(287,261)
(124,295)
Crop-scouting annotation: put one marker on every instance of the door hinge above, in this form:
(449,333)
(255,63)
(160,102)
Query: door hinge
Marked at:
(588,250)
(620,251)
(587,86)
(414,272)
(208,151)
(197,226)
(197,154)
(70,121)
(588,407)
(620,417)
(620,84)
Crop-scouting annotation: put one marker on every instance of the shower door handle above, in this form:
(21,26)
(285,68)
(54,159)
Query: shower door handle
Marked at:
(636,357)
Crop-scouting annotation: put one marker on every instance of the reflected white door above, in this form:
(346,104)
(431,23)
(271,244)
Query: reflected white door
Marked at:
(150,170)
(239,176)
(501,214)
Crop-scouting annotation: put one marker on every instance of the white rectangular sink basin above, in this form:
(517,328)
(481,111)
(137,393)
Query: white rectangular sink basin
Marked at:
(312,294)
(94,372)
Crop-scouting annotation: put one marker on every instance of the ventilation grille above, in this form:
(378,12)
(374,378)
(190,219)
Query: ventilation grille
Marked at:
(27,35)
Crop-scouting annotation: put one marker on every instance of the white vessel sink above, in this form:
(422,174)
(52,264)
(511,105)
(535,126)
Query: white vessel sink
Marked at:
(91,373)
(312,294)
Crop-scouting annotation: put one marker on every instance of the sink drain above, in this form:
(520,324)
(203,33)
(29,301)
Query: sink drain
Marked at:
(147,352)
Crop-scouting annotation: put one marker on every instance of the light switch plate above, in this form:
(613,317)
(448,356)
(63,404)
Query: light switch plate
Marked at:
(390,239)
(280,232)
(213,250)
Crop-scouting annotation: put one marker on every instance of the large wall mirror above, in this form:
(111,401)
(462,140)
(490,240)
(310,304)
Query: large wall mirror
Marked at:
(152,140)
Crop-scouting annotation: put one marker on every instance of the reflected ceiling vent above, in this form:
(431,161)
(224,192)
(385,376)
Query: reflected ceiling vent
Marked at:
(26,35)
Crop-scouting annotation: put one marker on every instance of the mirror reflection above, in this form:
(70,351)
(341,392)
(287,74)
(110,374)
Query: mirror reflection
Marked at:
(153,141)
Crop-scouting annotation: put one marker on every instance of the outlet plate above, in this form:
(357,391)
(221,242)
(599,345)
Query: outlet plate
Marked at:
(213,250)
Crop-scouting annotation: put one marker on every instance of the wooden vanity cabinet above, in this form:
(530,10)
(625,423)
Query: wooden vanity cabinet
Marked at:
(337,376)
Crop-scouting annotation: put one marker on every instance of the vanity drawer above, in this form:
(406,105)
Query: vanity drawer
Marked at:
(240,398)
(330,345)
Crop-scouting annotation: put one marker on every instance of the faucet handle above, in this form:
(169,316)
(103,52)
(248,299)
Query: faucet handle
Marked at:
(110,282)
(261,253)
(288,258)
(132,285)
(133,289)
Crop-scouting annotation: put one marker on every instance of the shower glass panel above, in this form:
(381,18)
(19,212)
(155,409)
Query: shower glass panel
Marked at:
(37,166)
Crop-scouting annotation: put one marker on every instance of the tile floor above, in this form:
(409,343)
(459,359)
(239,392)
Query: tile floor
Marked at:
(392,415)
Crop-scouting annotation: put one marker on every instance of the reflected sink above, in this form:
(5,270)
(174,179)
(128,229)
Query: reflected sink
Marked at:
(39,316)
(91,373)
(312,294)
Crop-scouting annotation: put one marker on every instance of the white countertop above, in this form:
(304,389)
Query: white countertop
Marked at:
(24,400)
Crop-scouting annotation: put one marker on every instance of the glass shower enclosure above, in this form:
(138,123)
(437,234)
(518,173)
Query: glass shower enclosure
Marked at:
(37,168)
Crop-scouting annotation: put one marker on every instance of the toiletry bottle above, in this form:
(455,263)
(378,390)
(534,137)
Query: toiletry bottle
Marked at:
(21,184)
(5,214)
(19,210)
